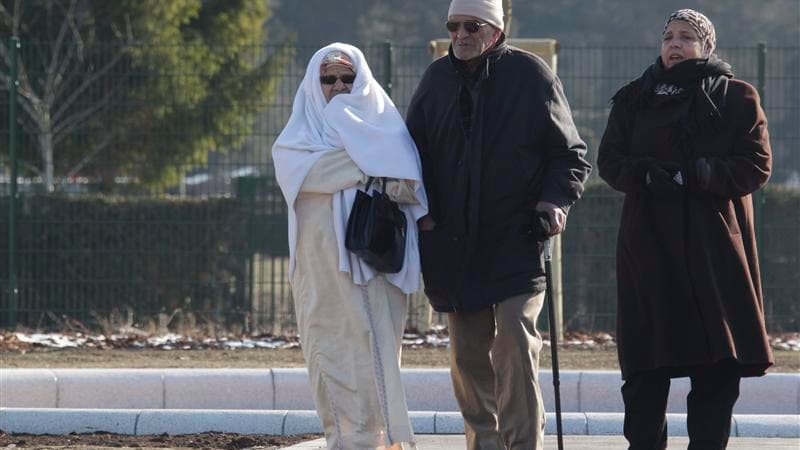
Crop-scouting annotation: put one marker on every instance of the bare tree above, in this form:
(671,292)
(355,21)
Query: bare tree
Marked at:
(50,94)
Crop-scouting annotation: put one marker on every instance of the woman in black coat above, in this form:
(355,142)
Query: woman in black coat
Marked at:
(688,145)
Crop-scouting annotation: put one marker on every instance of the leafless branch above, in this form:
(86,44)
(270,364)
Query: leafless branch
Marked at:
(59,79)
(28,126)
(5,54)
(70,124)
(65,105)
(76,35)
(71,74)
(102,145)
(25,105)
(28,95)
(32,112)
(55,53)
(30,106)
(25,165)
(11,19)
(74,53)
(127,36)
(17,17)
(26,89)
(6,17)
(29,166)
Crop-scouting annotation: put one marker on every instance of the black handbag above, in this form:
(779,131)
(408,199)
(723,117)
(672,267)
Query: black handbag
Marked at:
(376,230)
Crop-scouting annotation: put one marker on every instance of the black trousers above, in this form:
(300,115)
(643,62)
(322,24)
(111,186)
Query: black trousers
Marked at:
(715,389)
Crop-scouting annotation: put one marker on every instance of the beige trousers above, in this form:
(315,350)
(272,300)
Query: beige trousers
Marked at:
(494,363)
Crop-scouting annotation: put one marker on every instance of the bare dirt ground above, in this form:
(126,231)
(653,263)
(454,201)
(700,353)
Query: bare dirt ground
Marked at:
(570,358)
(137,349)
(96,441)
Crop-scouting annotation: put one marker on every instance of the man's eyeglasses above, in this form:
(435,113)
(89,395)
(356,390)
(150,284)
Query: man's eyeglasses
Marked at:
(331,79)
(472,26)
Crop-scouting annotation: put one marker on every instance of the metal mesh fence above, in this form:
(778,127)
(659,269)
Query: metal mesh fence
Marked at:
(164,197)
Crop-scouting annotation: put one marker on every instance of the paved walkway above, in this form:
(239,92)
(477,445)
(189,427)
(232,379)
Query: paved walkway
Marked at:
(456,442)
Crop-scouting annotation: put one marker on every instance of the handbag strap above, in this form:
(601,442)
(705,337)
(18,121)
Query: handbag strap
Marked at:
(369,183)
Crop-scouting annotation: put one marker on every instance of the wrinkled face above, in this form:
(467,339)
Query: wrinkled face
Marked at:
(342,77)
(468,45)
(679,43)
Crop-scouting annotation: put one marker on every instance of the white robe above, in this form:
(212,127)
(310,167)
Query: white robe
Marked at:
(350,318)
(351,335)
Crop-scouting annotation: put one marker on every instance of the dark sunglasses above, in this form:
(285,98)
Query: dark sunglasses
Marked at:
(331,79)
(472,26)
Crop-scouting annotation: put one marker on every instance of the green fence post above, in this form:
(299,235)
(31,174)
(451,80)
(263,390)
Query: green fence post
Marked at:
(387,75)
(759,198)
(12,200)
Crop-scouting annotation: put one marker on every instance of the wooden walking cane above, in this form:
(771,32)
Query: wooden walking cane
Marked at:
(543,224)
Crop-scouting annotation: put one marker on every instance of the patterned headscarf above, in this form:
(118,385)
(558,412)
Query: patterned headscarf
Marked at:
(337,57)
(701,25)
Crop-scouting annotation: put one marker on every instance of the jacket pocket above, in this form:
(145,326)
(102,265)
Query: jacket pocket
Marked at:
(437,256)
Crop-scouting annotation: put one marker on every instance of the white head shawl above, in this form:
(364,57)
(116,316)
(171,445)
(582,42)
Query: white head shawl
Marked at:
(367,125)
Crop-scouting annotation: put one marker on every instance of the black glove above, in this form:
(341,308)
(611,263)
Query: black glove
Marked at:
(660,180)
(698,174)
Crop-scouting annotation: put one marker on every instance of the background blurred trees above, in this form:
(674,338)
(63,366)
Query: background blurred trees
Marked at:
(147,89)
(141,89)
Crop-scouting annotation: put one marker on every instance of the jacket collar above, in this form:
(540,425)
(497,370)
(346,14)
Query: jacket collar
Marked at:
(486,61)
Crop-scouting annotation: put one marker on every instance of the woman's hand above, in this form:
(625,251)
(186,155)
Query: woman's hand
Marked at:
(401,191)
(662,180)
(699,174)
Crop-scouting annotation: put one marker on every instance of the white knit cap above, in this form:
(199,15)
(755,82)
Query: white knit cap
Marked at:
(488,10)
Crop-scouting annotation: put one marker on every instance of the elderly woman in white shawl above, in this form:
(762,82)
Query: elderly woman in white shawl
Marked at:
(344,129)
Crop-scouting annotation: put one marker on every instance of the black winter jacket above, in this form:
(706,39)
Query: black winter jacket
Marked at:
(484,177)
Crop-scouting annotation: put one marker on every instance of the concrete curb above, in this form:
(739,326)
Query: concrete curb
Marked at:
(284,422)
(458,442)
(287,389)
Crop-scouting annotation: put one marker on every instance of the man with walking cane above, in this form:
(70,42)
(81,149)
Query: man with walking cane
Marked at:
(497,144)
